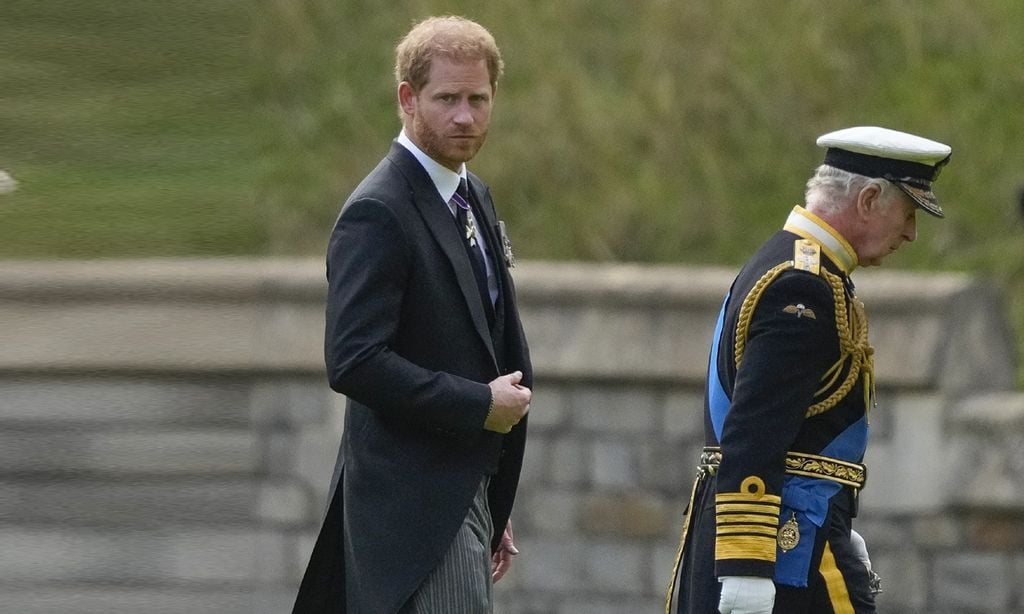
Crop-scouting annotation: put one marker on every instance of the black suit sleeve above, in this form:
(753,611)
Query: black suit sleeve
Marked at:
(368,265)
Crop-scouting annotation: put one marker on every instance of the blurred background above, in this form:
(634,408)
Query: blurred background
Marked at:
(655,132)
(649,134)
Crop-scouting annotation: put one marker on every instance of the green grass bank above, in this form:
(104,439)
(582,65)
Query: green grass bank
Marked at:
(652,131)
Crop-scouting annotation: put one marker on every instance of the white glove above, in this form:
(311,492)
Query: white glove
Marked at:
(746,595)
(860,548)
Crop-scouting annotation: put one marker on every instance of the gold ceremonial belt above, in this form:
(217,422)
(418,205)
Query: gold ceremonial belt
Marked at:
(801,463)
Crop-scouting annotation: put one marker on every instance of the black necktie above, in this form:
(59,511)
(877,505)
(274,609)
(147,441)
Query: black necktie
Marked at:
(470,240)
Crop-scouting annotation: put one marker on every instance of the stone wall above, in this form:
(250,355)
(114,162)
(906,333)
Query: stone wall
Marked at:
(167,436)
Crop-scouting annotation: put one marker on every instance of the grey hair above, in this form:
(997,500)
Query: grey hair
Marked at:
(830,189)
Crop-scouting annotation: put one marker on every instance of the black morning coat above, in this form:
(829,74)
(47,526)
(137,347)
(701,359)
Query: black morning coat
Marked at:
(408,343)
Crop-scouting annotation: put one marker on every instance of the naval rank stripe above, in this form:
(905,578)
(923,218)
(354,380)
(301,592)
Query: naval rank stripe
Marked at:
(747,529)
(747,524)
(756,547)
(748,518)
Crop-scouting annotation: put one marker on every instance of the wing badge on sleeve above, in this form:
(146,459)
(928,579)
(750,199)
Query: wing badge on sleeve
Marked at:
(800,311)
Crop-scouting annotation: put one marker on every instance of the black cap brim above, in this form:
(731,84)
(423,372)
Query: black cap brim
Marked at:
(924,198)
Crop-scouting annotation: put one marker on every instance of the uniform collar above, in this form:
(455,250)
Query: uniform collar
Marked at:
(445,180)
(811,227)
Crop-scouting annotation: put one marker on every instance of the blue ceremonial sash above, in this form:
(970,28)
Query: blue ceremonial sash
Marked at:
(718,400)
(808,499)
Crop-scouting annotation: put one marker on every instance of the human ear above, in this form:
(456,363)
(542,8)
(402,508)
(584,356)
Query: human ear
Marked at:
(406,98)
(868,200)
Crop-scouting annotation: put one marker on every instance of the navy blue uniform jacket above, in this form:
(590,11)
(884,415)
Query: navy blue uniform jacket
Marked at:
(790,371)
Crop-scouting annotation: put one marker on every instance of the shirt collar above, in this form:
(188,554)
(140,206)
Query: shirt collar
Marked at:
(811,227)
(445,180)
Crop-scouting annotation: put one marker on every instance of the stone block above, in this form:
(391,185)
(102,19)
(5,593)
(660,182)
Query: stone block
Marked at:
(151,600)
(994,531)
(615,341)
(102,452)
(91,401)
(613,463)
(884,532)
(549,407)
(662,561)
(616,567)
(304,542)
(909,471)
(315,454)
(548,563)
(614,410)
(568,461)
(633,515)
(905,579)
(1017,580)
(937,531)
(290,402)
(524,602)
(139,503)
(683,417)
(536,460)
(609,605)
(176,335)
(987,454)
(973,581)
(664,468)
(36,556)
(548,511)
(937,331)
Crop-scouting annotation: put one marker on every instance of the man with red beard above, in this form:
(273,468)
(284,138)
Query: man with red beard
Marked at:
(423,337)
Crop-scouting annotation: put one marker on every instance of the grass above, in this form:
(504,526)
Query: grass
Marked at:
(131,127)
(653,131)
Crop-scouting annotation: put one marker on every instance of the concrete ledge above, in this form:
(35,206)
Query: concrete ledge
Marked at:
(113,452)
(159,600)
(583,320)
(205,556)
(986,458)
(139,503)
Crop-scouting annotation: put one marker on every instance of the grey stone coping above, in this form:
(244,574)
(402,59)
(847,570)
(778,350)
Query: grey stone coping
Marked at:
(136,503)
(103,598)
(583,320)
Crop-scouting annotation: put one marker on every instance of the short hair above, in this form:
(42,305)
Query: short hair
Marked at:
(450,37)
(830,189)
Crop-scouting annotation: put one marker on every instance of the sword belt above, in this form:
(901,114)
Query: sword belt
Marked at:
(803,464)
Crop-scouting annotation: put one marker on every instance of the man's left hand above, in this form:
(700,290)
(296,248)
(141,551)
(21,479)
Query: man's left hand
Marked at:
(501,560)
(861,550)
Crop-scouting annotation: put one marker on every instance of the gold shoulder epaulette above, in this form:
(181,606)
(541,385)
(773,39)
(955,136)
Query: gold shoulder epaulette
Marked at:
(806,256)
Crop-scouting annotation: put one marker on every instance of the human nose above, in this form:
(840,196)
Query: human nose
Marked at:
(463,113)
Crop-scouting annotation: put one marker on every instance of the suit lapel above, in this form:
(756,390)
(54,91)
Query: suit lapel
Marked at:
(439,221)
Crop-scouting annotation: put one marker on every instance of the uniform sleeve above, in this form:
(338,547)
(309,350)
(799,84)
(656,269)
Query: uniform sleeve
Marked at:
(790,344)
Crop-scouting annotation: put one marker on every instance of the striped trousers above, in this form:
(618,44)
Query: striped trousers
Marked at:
(461,583)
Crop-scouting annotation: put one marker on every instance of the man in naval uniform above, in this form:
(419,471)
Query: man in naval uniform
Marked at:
(789,388)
